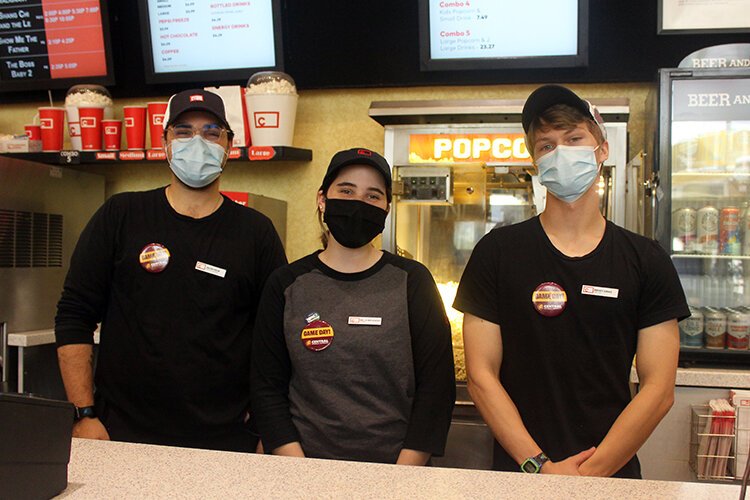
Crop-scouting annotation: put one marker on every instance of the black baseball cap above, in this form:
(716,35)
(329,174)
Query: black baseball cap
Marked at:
(358,156)
(547,96)
(196,100)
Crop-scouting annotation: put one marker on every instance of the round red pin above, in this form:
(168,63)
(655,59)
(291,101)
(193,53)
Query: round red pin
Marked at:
(549,299)
(154,257)
(317,335)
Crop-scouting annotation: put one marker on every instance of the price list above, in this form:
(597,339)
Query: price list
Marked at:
(47,39)
(205,35)
(461,29)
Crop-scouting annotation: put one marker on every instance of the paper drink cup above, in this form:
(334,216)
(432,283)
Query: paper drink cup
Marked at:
(90,118)
(52,124)
(112,134)
(33,131)
(135,126)
(156,112)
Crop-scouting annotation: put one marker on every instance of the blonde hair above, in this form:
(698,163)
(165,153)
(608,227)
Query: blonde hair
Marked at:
(561,117)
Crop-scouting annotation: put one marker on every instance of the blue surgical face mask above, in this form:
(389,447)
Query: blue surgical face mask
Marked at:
(195,161)
(568,171)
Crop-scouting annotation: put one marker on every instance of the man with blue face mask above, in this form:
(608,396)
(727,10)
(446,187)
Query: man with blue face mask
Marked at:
(559,305)
(174,276)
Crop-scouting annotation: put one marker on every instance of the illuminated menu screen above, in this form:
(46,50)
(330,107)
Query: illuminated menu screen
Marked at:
(480,29)
(208,35)
(51,39)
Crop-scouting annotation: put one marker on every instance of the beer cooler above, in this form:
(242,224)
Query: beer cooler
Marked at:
(701,154)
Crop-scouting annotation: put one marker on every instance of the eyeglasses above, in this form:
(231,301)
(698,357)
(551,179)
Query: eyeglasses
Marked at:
(210,132)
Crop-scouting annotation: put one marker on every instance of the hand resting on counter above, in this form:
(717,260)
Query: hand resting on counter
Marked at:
(90,428)
(569,466)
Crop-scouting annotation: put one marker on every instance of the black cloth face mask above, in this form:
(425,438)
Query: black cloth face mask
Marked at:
(353,223)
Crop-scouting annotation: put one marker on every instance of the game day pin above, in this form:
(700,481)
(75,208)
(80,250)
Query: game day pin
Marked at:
(549,299)
(154,257)
(317,335)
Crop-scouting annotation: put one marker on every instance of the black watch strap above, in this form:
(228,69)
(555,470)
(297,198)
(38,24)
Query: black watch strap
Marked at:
(84,412)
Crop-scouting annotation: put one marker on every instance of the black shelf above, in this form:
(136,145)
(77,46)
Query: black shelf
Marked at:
(71,157)
(703,357)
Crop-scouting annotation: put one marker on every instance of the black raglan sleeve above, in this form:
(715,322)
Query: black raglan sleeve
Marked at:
(271,369)
(435,392)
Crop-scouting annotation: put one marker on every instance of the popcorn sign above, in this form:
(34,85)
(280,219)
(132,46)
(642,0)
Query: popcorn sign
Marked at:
(456,148)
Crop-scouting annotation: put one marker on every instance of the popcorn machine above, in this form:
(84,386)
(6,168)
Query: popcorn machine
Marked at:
(460,169)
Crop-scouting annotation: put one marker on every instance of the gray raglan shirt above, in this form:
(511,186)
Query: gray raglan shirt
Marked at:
(378,387)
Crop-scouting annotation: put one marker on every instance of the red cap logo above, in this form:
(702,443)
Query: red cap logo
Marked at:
(196,97)
(364,152)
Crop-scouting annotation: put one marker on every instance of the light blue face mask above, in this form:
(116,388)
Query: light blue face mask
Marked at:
(195,161)
(568,171)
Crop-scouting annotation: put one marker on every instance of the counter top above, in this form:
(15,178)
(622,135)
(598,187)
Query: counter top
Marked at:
(100,469)
(37,337)
(30,339)
(707,377)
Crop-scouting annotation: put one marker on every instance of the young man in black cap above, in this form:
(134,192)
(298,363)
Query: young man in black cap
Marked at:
(558,305)
(174,276)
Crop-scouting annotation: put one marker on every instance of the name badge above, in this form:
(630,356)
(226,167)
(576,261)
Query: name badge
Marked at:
(208,268)
(363,320)
(600,291)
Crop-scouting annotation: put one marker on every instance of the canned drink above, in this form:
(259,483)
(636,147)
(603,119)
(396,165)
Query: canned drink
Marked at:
(691,329)
(729,231)
(715,326)
(708,230)
(684,227)
(738,329)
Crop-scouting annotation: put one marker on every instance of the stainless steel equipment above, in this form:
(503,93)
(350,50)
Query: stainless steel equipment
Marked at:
(273,209)
(43,210)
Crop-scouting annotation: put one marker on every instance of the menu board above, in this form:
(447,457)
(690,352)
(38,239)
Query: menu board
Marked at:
(199,35)
(514,31)
(43,40)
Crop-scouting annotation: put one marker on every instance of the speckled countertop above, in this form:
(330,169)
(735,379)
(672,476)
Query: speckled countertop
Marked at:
(707,377)
(101,469)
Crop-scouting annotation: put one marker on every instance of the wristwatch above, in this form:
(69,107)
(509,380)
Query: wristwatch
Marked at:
(84,412)
(533,465)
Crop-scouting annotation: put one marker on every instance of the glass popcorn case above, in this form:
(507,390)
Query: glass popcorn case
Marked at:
(441,212)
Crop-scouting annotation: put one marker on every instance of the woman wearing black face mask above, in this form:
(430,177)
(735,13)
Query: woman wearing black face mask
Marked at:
(352,351)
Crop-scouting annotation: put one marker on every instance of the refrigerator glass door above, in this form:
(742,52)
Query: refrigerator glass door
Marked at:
(710,222)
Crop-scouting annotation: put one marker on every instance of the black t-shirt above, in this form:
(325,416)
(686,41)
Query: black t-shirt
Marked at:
(174,354)
(568,374)
(385,382)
